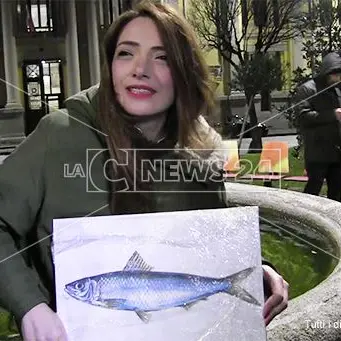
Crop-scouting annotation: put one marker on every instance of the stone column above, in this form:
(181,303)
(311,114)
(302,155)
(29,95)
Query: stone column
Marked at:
(12,116)
(93,42)
(10,57)
(71,46)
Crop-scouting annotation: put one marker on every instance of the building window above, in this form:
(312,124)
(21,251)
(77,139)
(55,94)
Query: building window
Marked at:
(216,72)
(39,16)
(35,15)
(32,71)
(260,9)
(108,12)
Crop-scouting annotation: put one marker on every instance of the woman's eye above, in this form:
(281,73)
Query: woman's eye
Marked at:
(123,54)
(163,57)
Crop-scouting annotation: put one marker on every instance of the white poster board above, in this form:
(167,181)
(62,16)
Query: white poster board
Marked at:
(126,277)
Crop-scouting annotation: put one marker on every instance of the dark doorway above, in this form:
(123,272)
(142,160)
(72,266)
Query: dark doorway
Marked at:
(43,86)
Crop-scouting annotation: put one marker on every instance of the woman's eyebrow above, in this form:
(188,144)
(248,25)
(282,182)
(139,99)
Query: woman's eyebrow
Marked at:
(136,44)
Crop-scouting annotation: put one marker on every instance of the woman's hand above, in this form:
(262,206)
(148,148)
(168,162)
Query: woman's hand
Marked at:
(278,299)
(42,324)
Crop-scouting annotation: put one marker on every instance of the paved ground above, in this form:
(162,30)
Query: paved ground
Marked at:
(276,122)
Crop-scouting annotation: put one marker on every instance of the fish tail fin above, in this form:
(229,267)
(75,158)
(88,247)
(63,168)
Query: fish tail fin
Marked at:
(236,290)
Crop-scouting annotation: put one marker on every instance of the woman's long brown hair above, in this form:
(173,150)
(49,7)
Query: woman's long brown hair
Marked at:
(193,97)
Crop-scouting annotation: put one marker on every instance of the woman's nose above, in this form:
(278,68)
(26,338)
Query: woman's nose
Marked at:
(141,68)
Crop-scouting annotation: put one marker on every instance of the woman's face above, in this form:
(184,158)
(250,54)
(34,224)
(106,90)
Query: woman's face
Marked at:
(140,73)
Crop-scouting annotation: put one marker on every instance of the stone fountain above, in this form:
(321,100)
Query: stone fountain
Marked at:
(316,314)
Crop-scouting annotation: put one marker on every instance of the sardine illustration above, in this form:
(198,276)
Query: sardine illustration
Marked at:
(136,288)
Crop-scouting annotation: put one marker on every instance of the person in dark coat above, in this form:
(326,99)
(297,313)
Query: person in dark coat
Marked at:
(319,112)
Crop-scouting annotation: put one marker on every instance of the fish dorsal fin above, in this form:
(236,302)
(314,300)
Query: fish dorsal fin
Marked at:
(145,317)
(136,263)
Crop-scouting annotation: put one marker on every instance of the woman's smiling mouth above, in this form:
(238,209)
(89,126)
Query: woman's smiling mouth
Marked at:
(140,91)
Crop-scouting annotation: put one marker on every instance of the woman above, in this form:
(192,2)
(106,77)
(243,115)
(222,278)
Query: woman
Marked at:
(148,105)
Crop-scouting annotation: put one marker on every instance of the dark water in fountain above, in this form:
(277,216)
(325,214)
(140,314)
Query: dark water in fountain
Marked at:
(304,256)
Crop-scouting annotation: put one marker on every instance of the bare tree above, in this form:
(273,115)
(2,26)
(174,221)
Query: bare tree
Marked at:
(239,28)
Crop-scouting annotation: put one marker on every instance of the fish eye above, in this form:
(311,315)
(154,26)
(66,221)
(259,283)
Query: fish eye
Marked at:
(79,286)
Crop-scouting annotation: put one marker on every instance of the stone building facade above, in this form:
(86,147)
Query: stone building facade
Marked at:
(50,49)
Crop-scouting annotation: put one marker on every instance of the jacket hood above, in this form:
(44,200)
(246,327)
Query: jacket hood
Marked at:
(84,104)
(84,107)
(330,63)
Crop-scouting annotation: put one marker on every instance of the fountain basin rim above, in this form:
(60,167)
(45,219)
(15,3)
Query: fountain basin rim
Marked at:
(322,303)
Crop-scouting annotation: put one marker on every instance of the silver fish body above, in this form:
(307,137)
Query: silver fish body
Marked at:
(137,288)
